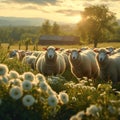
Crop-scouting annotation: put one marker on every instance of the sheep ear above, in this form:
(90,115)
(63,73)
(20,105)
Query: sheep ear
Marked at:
(96,50)
(57,48)
(79,50)
(44,48)
(68,51)
(108,52)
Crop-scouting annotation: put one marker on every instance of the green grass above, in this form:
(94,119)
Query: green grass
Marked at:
(114,44)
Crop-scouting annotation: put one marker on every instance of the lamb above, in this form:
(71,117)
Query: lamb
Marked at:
(109,65)
(51,62)
(84,63)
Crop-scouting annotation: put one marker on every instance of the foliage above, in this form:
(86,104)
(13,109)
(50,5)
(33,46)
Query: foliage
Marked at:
(96,21)
(89,99)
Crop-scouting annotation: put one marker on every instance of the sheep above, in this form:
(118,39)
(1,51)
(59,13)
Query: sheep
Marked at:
(51,62)
(111,50)
(109,65)
(13,54)
(30,60)
(84,63)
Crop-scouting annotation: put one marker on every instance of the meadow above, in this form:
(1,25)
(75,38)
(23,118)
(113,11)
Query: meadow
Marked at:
(54,97)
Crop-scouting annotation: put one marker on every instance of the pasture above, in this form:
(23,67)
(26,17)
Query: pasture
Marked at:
(105,44)
(61,97)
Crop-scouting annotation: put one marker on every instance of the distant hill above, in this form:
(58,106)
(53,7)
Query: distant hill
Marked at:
(20,21)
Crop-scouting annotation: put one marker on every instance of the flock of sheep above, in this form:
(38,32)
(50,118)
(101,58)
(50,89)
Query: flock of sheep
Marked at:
(103,63)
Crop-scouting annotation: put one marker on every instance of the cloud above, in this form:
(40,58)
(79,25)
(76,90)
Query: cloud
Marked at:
(69,12)
(31,1)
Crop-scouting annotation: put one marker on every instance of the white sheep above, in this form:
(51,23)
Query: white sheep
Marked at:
(51,62)
(109,65)
(13,54)
(84,63)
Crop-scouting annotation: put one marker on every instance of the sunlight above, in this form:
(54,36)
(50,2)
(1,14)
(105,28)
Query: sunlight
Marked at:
(76,19)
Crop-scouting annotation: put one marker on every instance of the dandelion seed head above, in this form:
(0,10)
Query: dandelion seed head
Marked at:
(28,100)
(3,69)
(16,92)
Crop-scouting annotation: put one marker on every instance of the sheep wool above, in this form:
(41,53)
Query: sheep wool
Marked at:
(109,65)
(51,62)
(84,64)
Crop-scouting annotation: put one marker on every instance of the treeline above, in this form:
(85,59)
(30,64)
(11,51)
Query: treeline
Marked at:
(98,24)
(21,34)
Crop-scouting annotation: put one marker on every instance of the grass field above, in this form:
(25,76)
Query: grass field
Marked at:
(84,99)
(114,44)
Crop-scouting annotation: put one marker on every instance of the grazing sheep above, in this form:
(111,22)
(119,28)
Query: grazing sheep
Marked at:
(51,62)
(109,65)
(84,63)
(12,54)
(111,50)
(30,60)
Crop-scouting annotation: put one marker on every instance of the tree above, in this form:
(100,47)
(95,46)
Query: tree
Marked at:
(55,29)
(96,20)
(46,28)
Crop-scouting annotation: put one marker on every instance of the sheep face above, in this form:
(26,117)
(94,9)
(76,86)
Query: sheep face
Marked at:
(102,55)
(50,53)
(74,54)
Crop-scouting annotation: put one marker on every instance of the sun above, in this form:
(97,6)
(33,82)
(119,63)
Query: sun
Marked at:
(76,19)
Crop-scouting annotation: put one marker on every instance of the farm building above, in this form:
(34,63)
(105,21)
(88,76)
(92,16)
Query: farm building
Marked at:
(51,39)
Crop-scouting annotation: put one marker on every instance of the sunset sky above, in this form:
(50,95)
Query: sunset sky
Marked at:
(67,11)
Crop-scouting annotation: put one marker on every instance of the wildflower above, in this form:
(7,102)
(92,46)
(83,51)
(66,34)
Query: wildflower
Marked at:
(74,117)
(51,91)
(92,110)
(13,74)
(40,77)
(64,98)
(44,86)
(27,85)
(81,115)
(28,100)
(3,70)
(52,100)
(28,76)
(16,92)
(3,80)
(16,82)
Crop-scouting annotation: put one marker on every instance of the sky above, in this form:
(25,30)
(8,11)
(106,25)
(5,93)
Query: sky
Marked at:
(66,11)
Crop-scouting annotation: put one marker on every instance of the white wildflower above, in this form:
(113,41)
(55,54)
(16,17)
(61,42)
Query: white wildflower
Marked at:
(52,100)
(43,85)
(74,117)
(3,69)
(80,115)
(4,80)
(28,100)
(64,98)
(92,110)
(40,77)
(28,76)
(51,91)
(13,74)
(16,82)
(26,85)
(16,92)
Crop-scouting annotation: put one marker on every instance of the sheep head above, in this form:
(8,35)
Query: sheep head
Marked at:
(51,52)
(74,54)
(102,54)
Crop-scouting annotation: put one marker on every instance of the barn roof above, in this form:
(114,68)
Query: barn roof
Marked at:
(58,38)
